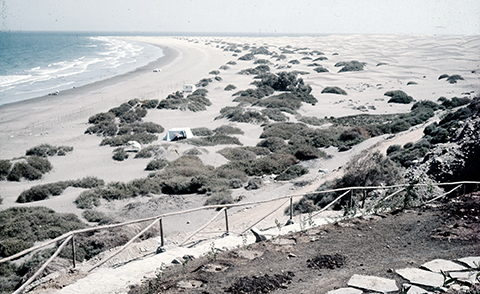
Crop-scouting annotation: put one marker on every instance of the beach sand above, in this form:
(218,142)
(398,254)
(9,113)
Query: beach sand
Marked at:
(62,120)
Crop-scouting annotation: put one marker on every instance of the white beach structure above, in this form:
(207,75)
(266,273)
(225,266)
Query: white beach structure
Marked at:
(176,134)
(188,88)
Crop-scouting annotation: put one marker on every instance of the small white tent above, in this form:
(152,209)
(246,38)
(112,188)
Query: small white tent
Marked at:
(178,134)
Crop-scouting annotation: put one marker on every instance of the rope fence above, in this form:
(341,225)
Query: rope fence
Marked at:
(70,236)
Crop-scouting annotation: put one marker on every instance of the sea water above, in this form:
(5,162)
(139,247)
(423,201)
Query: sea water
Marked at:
(34,64)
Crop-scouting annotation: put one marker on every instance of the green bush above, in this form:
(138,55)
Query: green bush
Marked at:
(230,87)
(320,69)
(219,198)
(453,79)
(202,131)
(454,102)
(334,90)
(261,69)
(151,104)
(96,216)
(274,144)
(214,72)
(101,118)
(311,120)
(32,224)
(246,57)
(231,63)
(45,150)
(398,96)
(203,82)
(292,173)
(410,153)
(228,130)
(282,130)
(23,170)
(149,151)
(116,141)
(237,153)
(156,164)
(120,154)
(104,128)
(275,114)
(238,114)
(88,199)
(216,139)
(350,65)
(5,166)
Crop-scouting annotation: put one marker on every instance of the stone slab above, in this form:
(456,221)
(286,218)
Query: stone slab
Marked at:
(345,291)
(421,277)
(468,277)
(415,289)
(438,265)
(471,261)
(372,283)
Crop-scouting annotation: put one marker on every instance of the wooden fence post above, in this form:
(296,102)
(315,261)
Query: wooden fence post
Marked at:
(73,251)
(226,220)
(162,240)
(291,208)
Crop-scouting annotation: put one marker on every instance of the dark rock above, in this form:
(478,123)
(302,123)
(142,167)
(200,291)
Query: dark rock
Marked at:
(258,236)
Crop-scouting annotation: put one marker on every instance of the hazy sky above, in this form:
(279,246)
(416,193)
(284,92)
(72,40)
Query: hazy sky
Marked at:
(458,17)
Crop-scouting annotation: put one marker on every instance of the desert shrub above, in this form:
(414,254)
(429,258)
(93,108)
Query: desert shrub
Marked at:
(218,78)
(45,150)
(149,151)
(398,96)
(305,152)
(230,87)
(238,114)
(228,130)
(146,127)
(40,163)
(247,57)
(203,82)
(101,117)
(262,61)
(287,100)
(151,104)
(274,114)
(231,63)
(412,83)
(353,136)
(32,224)
(283,81)
(410,153)
(96,216)
(202,131)
(5,166)
(282,130)
(320,69)
(252,95)
(12,246)
(261,69)
(116,141)
(219,198)
(214,72)
(23,170)
(104,128)
(294,61)
(350,65)
(88,199)
(454,78)
(292,173)
(120,110)
(427,104)
(454,102)
(194,151)
(274,144)
(87,183)
(216,139)
(120,154)
(443,76)
(238,153)
(271,164)
(156,164)
(311,120)
(334,90)
(382,63)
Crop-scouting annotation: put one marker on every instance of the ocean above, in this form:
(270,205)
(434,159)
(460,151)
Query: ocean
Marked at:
(33,64)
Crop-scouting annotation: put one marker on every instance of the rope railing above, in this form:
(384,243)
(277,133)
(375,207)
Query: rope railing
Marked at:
(223,208)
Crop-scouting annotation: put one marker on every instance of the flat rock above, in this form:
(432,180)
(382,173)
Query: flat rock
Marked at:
(345,291)
(372,283)
(472,261)
(415,289)
(438,265)
(421,277)
(467,277)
